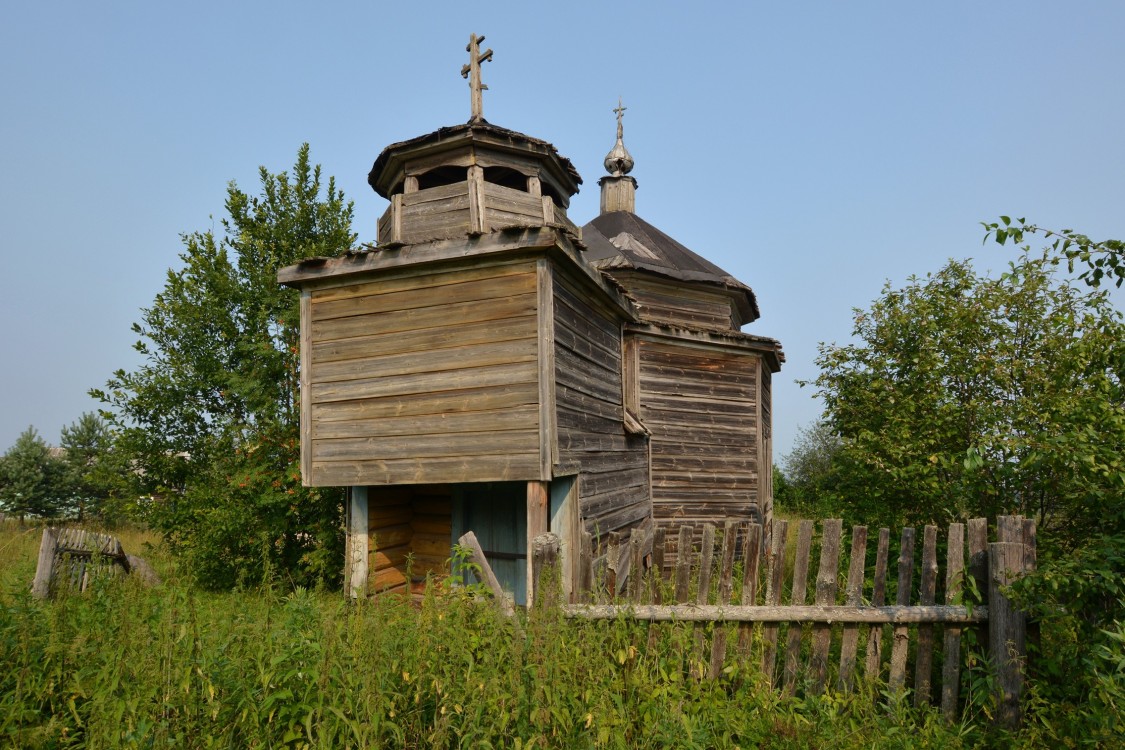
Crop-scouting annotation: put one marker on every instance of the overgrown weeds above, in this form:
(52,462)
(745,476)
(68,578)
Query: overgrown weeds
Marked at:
(125,666)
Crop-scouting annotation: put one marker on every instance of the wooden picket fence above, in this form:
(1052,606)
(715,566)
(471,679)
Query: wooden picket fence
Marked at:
(738,575)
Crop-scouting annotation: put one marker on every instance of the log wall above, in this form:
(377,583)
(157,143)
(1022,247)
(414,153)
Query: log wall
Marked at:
(404,523)
(427,377)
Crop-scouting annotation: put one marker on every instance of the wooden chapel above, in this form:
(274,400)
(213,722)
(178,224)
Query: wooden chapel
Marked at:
(490,366)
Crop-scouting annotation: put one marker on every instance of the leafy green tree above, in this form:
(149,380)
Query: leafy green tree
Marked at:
(34,481)
(809,471)
(1103,259)
(967,395)
(211,417)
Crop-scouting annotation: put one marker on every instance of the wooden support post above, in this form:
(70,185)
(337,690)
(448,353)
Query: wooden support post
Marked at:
(358,541)
(1006,630)
(538,503)
(41,585)
(544,563)
(476,556)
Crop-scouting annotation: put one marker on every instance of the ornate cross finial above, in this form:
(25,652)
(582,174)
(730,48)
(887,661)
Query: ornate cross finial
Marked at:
(472,72)
(620,110)
(618,162)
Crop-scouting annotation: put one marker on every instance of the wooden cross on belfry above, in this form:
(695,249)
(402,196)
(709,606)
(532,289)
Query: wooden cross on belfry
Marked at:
(472,72)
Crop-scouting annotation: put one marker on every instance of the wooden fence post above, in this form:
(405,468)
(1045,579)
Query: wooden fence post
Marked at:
(1006,630)
(544,559)
(41,585)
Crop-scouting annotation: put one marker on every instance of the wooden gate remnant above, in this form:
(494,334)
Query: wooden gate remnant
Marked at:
(69,559)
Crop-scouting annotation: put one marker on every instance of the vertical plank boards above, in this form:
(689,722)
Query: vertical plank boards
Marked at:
(656,575)
(41,585)
(978,567)
(586,566)
(797,596)
(853,596)
(726,588)
(1006,633)
(951,665)
(900,645)
(873,665)
(751,560)
(924,658)
(775,568)
(637,565)
(825,595)
(656,579)
(702,594)
(683,565)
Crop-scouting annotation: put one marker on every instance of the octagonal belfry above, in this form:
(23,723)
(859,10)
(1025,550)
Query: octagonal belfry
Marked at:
(471,179)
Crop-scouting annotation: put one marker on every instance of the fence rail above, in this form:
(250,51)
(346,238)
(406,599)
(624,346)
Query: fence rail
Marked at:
(738,575)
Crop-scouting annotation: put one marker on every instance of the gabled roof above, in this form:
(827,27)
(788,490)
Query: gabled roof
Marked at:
(623,240)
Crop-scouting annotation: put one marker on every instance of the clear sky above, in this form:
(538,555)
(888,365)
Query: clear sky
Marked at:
(813,150)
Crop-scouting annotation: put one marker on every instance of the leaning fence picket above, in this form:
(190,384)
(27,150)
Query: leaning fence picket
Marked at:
(924,660)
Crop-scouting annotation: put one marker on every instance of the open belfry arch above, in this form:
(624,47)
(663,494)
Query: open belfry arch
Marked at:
(490,366)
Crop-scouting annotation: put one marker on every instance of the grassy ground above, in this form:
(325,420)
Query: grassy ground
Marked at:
(124,666)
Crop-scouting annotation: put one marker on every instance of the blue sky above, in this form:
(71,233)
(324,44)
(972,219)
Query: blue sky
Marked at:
(813,150)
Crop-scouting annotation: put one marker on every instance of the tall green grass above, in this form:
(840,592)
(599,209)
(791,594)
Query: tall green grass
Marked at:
(124,666)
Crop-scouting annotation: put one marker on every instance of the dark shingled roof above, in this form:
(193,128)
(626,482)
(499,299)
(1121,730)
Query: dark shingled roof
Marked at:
(623,240)
(483,127)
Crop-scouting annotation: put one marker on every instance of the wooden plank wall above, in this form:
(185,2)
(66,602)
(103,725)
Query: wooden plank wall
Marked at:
(673,303)
(424,378)
(700,405)
(415,521)
(614,477)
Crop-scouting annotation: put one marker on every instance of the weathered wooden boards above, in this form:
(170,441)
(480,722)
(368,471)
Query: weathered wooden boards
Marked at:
(471,205)
(71,558)
(430,377)
(588,397)
(700,406)
(796,641)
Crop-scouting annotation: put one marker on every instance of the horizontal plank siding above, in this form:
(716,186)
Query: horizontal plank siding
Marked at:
(422,379)
(700,407)
(672,303)
(613,485)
